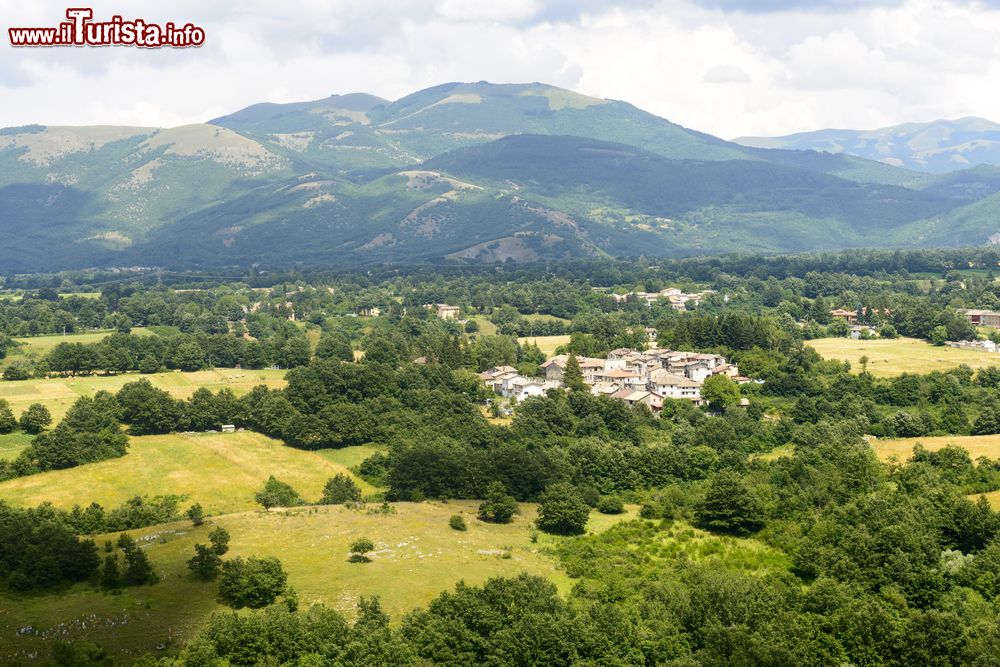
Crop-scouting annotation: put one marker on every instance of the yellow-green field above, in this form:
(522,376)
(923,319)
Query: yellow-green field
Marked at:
(222,471)
(416,557)
(58,394)
(902,448)
(887,358)
(547,344)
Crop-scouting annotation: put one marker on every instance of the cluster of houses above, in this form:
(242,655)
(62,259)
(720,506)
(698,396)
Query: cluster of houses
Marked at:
(678,300)
(633,376)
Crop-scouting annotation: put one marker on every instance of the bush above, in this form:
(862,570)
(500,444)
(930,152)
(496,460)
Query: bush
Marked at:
(611,505)
(457,522)
(561,511)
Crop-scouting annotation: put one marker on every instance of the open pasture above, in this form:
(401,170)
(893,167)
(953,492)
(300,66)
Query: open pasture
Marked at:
(417,556)
(222,471)
(888,358)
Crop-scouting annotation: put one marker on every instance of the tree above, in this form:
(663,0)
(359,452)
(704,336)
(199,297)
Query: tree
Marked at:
(277,494)
(16,371)
(35,419)
(729,507)
(219,538)
(360,548)
(340,489)
(938,335)
(499,506)
(252,582)
(573,376)
(138,570)
(196,514)
(720,391)
(562,511)
(110,572)
(189,356)
(148,410)
(7,421)
(206,562)
(334,346)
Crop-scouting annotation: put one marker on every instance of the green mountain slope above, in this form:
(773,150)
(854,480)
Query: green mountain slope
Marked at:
(529,197)
(937,147)
(472,171)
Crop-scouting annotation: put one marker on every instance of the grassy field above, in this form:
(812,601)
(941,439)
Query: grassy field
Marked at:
(902,448)
(12,444)
(486,327)
(887,358)
(222,471)
(547,344)
(59,393)
(417,556)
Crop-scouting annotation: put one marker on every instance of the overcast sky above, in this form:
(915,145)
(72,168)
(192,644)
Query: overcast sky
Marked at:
(728,67)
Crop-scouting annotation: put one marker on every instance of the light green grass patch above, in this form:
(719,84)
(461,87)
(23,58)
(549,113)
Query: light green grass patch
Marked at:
(13,444)
(888,358)
(222,471)
(349,457)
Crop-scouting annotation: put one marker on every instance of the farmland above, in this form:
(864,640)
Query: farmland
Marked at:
(416,557)
(902,448)
(888,358)
(219,470)
(547,344)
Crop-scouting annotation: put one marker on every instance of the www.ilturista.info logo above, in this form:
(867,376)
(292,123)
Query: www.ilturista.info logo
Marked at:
(82,30)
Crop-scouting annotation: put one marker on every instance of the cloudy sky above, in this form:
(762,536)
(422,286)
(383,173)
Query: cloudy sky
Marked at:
(729,67)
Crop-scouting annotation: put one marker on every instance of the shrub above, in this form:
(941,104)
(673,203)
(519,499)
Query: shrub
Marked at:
(611,505)
(457,522)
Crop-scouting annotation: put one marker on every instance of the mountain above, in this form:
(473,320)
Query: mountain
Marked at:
(466,171)
(938,147)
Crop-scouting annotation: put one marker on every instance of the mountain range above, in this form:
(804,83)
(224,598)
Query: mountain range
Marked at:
(463,171)
(938,147)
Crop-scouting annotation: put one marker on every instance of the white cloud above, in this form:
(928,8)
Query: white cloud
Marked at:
(829,64)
